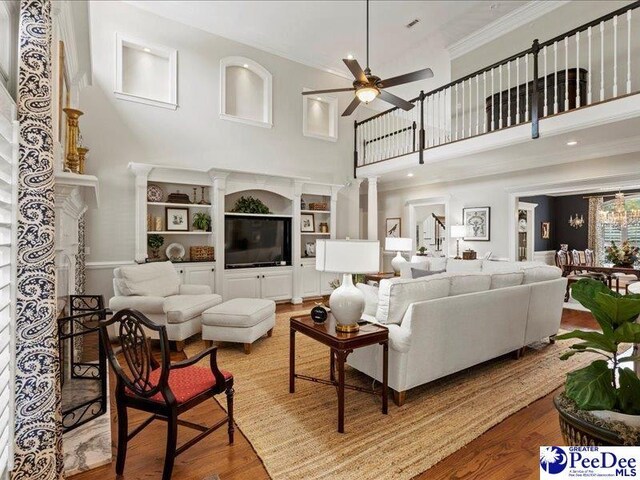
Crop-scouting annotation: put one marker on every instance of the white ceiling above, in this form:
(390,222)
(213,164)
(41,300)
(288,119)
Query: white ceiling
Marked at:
(320,33)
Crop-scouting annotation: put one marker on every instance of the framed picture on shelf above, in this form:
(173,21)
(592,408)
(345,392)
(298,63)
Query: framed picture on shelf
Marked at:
(477,224)
(307,223)
(310,249)
(393,226)
(546,230)
(177,219)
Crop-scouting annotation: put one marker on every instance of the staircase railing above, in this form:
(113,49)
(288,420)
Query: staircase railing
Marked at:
(585,66)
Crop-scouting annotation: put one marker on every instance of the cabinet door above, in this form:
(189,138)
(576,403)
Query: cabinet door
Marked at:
(180,271)
(325,279)
(243,285)
(310,281)
(277,285)
(200,275)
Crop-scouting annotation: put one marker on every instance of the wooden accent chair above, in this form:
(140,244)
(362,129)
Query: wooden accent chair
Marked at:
(163,389)
(575,257)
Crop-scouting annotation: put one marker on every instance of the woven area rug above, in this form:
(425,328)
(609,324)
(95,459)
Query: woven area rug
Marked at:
(295,434)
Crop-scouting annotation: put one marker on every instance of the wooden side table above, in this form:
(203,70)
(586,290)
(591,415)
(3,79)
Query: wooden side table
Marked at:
(341,345)
(376,277)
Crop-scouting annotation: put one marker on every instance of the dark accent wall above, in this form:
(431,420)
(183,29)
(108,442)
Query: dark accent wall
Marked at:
(566,206)
(545,212)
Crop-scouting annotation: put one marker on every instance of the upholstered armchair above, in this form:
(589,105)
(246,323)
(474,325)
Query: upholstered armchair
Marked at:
(155,290)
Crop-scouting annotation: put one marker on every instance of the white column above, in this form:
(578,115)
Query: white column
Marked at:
(372,211)
(296,247)
(354,209)
(142,174)
(217,220)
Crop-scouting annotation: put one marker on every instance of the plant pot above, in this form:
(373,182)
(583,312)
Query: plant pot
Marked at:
(579,432)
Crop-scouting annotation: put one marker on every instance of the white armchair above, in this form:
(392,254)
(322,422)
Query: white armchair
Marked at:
(155,290)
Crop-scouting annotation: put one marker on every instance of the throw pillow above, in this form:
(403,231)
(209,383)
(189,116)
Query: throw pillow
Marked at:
(370,298)
(417,273)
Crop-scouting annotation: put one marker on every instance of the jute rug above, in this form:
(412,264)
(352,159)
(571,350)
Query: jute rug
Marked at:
(295,434)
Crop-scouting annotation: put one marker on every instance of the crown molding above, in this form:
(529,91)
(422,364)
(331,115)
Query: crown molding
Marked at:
(507,23)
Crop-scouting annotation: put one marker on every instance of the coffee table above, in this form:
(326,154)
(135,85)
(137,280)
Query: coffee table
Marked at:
(341,345)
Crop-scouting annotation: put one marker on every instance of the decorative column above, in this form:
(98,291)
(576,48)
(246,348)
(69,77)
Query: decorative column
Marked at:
(142,174)
(81,257)
(372,212)
(219,183)
(38,432)
(296,243)
(354,209)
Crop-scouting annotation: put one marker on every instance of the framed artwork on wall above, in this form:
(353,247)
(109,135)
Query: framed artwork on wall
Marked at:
(307,223)
(477,224)
(393,227)
(177,219)
(545,230)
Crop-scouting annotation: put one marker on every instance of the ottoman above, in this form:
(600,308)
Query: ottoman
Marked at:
(240,320)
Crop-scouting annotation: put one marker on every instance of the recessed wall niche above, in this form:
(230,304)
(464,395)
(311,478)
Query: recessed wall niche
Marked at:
(320,117)
(146,73)
(245,92)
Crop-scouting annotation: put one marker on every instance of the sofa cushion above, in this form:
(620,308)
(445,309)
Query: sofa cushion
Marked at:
(396,294)
(151,279)
(405,268)
(540,273)
(464,266)
(469,283)
(418,273)
(182,308)
(506,279)
(370,298)
(495,266)
(239,312)
(438,263)
(147,305)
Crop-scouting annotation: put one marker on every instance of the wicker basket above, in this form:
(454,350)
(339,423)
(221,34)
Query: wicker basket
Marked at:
(318,206)
(201,254)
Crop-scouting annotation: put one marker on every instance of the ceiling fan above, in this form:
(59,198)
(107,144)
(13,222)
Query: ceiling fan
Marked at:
(368,86)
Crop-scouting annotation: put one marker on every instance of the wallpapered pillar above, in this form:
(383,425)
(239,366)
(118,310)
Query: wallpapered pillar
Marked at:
(81,274)
(38,433)
(594,235)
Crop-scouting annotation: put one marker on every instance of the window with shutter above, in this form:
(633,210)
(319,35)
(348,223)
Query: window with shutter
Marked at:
(8,195)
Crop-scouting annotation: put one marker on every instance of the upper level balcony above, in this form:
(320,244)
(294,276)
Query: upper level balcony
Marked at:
(519,113)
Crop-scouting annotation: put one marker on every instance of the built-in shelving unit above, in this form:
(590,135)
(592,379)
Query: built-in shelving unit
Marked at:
(188,205)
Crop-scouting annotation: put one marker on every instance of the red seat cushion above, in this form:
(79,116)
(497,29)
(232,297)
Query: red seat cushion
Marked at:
(185,383)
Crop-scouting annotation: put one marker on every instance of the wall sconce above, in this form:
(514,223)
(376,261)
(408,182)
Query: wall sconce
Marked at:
(576,222)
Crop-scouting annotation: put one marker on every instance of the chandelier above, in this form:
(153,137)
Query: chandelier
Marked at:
(620,215)
(576,222)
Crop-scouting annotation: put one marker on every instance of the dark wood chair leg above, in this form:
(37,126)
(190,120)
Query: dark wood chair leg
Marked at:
(247,348)
(552,339)
(270,333)
(123,432)
(229,391)
(172,439)
(208,343)
(399,397)
(179,345)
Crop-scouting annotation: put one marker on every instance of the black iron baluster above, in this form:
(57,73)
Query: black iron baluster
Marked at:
(422,136)
(535,131)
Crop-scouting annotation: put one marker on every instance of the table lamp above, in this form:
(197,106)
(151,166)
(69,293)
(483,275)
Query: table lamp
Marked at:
(399,245)
(458,232)
(347,257)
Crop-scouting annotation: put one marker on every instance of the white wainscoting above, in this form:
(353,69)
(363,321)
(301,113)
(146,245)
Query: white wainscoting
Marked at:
(546,256)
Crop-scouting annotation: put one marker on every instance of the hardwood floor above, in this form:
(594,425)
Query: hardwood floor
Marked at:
(508,451)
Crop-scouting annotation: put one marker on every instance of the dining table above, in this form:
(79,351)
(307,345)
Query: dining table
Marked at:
(610,271)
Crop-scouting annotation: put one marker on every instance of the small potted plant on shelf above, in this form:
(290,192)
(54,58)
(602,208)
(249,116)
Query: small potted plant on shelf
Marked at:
(202,222)
(250,205)
(601,402)
(422,252)
(624,255)
(154,242)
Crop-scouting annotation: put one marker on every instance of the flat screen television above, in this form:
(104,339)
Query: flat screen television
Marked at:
(256,241)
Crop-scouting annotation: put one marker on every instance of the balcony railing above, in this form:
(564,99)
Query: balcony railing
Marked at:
(588,65)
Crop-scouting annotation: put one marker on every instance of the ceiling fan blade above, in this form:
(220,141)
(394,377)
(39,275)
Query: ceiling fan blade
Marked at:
(394,100)
(407,78)
(352,106)
(332,90)
(356,70)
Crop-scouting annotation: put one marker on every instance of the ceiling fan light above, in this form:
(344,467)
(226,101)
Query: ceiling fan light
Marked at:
(367,94)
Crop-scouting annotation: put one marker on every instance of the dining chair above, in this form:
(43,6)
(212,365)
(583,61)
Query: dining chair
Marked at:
(164,389)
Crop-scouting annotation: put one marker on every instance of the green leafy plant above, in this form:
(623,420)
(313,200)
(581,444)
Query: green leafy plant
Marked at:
(202,221)
(422,251)
(250,205)
(623,255)
(154,242)
(605,384)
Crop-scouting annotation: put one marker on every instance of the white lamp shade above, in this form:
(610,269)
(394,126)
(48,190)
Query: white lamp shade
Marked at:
(458,231)
(398,244)
(348,256)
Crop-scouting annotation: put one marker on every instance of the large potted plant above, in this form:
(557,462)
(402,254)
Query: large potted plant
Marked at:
(601,402)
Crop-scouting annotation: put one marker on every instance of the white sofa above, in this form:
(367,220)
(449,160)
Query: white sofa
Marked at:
(155,290)
(443,323)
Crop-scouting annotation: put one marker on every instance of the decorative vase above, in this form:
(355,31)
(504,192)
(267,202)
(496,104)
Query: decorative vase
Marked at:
(579,432)
(82,153)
